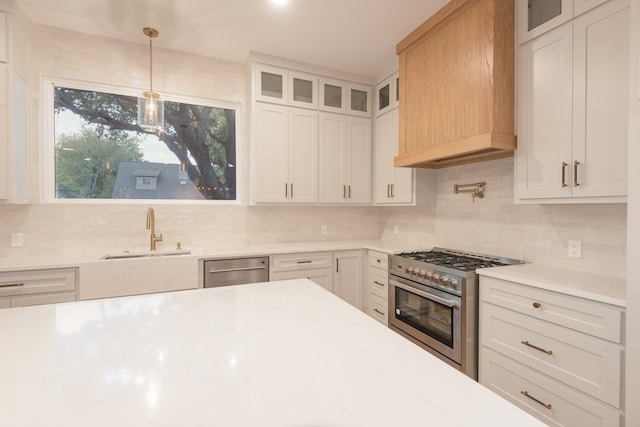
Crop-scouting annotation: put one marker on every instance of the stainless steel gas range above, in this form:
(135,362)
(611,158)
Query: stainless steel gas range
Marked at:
(433,301)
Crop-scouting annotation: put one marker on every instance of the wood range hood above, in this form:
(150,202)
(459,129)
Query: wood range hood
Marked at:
(457,86)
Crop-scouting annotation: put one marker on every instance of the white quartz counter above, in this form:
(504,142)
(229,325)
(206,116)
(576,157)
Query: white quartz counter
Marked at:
(597,287)
(65,260)
(269,354)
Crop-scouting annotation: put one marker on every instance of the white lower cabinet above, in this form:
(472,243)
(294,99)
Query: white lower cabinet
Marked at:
(347,277)
(35,287)
(557,356)
(315,266)
(377,286)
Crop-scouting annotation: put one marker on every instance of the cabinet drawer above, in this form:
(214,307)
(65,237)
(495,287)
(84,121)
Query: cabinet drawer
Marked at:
(378,260)
(589,364)
(377,308)
(37,281)
(319,276)
(567,407)
(24,301)
(582,315)
(378,283)
(302,261)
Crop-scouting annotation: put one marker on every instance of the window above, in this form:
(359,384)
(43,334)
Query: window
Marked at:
(99,151)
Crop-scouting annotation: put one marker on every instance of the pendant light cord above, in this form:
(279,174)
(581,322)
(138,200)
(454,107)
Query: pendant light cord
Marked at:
(151,65)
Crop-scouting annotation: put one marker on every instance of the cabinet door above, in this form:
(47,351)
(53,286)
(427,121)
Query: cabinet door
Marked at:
(359,160)
(600,120)
(5,133)
(333,96)
(536,17)
(543,156)
(384,96)
(384,149)
(322,277)
(272,154)
(402,184)
(359,100)
(270,84)
(303,90)
(303,155)
(4,38)
(347,278)
(333,140)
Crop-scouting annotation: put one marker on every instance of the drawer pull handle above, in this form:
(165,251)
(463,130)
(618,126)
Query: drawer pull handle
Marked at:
(12,285)
(536,347)
(378,283)
(546,405)
(378,261)
(304,262)
(564,181)
(378,311)
(536,305)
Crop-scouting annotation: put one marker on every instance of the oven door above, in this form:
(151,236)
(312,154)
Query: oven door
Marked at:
(428,315)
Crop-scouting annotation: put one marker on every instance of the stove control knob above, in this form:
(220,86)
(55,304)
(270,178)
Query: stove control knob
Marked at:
(443,280)
(429,275)
(422,273)
(436,277)
(409,270)
(453,283)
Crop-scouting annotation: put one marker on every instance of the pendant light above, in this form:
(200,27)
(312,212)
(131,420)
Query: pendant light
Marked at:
(150,106)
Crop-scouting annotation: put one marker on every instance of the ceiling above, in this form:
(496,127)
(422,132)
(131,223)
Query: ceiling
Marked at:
(353,36)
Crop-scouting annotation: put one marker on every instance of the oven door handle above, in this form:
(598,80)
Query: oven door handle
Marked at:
(427,295)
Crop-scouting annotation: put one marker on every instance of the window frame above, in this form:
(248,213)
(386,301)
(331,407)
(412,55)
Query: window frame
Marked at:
(47,177)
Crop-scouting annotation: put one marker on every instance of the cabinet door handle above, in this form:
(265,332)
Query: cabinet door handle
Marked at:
(286,190)
(291,190)
(378,283)
(349,194)
(575,173)
(528,344)
(536,305)
(11,285)
(392,195)
(546,405)
(337,265)
(564,180)
(388,190)
(378,311)
(344,191)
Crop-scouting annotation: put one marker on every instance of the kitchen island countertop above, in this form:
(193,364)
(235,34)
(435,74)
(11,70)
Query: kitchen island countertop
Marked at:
(284,353)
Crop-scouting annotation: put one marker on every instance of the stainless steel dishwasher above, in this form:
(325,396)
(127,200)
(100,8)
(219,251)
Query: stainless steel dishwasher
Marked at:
(235,271)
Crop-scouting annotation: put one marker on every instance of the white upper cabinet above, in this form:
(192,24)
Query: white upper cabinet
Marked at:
(536,17)
(337,96)
(386,95)
(572,112)
(15,43)
(286,87)
(391,185)
(286,155)
(345,159)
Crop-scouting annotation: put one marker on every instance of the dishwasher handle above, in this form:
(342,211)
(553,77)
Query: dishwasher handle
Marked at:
(227,270)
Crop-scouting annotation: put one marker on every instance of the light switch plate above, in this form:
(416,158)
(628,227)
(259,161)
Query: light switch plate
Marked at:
(575,248)
(323,229)
(396,229)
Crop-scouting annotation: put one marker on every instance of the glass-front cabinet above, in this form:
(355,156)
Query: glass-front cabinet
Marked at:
(337,96)
(286,87)
(536,17)
(387,94)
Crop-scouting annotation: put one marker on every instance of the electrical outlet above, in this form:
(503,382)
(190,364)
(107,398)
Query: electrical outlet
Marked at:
(575,248)
(396,229)
(17,240)
(323,229)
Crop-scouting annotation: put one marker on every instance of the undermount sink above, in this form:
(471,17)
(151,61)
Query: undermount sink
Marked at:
(145,254)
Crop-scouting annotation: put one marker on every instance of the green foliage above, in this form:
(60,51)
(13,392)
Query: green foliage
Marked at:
(87,165)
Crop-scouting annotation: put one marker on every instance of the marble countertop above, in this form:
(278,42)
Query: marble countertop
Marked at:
(280,354)
(596,287)
(66,260)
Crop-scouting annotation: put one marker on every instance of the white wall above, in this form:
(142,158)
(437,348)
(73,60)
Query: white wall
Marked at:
(633,253)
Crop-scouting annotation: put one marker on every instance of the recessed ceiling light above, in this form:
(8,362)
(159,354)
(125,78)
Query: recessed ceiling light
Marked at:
(279,2)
